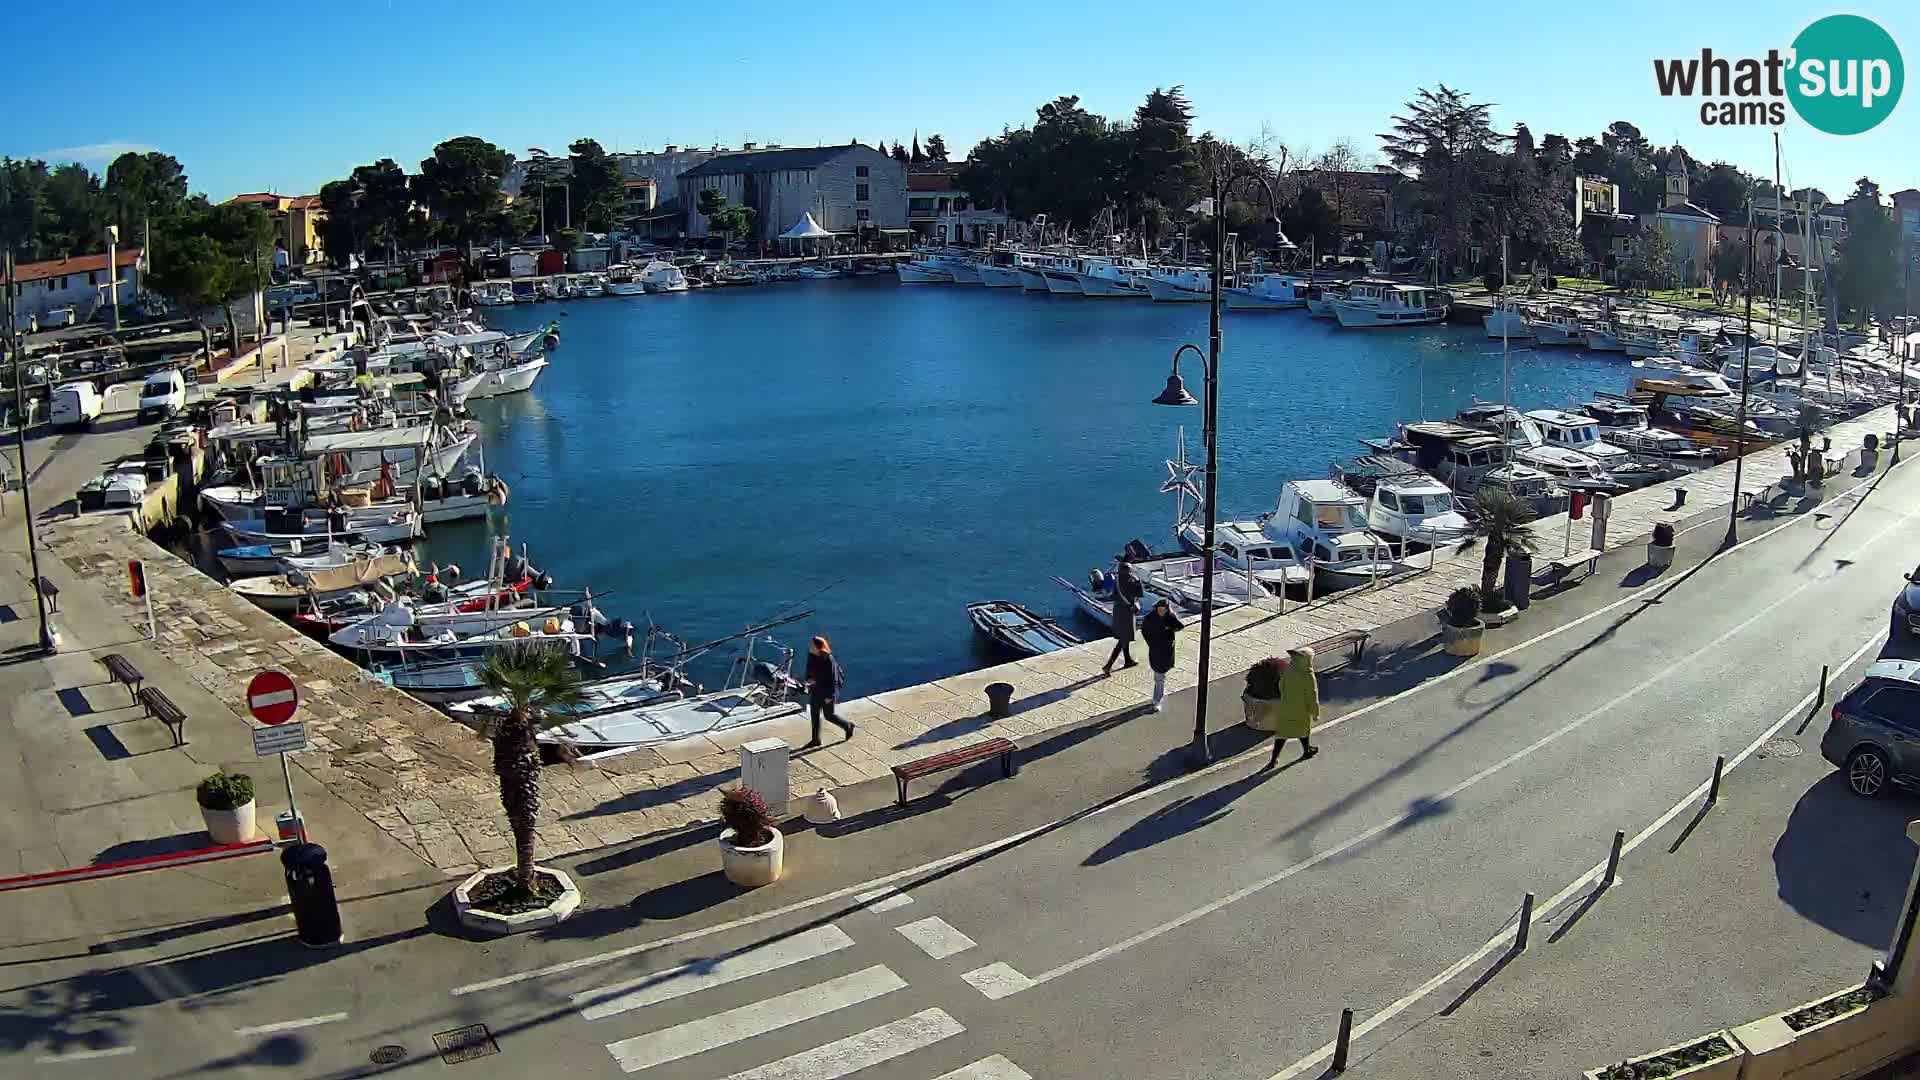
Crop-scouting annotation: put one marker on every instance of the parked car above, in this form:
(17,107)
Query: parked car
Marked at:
(1906,611)
(77,404)
(163,394)
(1874,736)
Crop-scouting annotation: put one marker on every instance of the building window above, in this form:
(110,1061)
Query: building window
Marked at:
(860,170)
(859,193)
(862,214)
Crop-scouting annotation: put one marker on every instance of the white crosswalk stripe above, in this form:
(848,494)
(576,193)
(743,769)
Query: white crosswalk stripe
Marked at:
(883,899)
(992,1068)
(855,1052)
(936,937)
(758,1018)
(697,975)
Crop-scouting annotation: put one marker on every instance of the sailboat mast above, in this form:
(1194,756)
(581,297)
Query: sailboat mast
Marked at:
(1506,377)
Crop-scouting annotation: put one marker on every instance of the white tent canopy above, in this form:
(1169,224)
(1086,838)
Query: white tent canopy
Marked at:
(806,229)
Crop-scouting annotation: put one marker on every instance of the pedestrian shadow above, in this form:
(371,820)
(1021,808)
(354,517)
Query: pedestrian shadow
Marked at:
(1182,816)
(952,729)
(157,845)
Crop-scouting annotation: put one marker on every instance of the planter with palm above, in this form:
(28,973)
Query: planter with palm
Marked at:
(1502,528)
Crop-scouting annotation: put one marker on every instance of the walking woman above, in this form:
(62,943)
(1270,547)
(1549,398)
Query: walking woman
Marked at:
(1299,705)
(1126,609)
(1158,629)
(823,686)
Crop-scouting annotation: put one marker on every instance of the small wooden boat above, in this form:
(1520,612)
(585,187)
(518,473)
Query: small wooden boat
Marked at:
(1018,630)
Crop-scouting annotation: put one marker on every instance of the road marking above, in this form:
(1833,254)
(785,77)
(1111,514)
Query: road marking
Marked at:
(697,975)
(1504,938)
(733,1025)
(880,885)
(883,899)
(1408,817)
(855,1052)
(936,937)
(991,1068)
(289,1025)
(997,981)
(84,1055)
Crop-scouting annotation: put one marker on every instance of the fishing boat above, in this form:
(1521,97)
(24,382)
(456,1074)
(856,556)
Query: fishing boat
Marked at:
(1266,292)
(1017,630)
(1510,318)
(512,375)
(252,559)
(1112,278)
(398,632)
(285,527)
(1320,299)
(821,273)
(1384,303)
(283,593)
(1180,285)
(917,271)
(1245,546)
(621,281)
(1000,271)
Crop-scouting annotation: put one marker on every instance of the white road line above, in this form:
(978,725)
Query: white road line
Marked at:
(724,1028)
(936,937)
(877,886)
(289,1025)
(84,1055)
(855,1052)
(1591,877)
(991,1068)
(997,981)
(698,975)
(883,899)
(1402,820)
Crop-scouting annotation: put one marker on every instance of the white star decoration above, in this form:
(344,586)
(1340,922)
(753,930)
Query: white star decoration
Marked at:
(1180,476)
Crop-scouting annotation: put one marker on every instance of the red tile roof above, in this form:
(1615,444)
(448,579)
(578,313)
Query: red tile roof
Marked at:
(79,264)
(257,198)
(303,202)
(930,181)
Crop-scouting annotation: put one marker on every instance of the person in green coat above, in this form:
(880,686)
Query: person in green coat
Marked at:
(1299,705)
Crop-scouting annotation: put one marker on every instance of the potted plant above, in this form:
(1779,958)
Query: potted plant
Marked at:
(226,805)
(751,848)
(1502,527)
(1261,699)
(1660,548)
(1460,625)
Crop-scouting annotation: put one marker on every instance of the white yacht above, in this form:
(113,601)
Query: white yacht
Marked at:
(1246,547)
(1385,303)
(1180,285)
(660,276)
(1326,522)
(1407,506)
(510,375)
(1266,292)
(1509,319)
(1100,276)
(621,282)
(922,271)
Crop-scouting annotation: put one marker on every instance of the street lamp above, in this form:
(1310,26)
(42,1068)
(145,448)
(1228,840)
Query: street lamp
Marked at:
(113,273)
(1740,424)
(1176,394)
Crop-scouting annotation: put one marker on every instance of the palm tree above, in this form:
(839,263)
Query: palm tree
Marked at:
(533,680)
(1502,526)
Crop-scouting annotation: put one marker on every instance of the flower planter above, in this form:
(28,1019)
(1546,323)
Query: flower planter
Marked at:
(1727,1064)
(1862,1034)
(1263,714)
(1659,558)
(752,867)
(553,913)
(1462,640)
(233,826)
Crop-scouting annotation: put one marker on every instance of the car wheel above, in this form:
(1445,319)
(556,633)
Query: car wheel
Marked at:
(1867,773)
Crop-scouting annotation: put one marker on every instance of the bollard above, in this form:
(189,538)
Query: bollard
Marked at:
(1679,498)
(1713,792)
(316,911)
(1613,858)
(1817,703)
(1340,1044)
(1526,924)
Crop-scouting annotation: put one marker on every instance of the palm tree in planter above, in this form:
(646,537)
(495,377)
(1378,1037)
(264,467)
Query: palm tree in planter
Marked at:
(538,683)
(1502,527)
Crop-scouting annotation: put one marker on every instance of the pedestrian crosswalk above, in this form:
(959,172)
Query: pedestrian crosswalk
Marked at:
(813,1001)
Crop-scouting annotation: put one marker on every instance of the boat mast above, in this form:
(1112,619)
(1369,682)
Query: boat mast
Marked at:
(1506,379)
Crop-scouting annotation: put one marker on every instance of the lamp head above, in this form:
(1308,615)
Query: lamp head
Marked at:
(1175,393)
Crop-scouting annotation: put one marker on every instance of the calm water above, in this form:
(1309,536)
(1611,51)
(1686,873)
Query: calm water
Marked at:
(713,458)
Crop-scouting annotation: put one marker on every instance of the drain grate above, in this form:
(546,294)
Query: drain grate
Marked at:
(389,1054)
(1779,748)
(465,1044)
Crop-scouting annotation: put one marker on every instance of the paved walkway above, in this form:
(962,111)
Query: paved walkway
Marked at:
(426,782)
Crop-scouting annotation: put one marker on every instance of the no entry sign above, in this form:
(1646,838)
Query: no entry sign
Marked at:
(271,697)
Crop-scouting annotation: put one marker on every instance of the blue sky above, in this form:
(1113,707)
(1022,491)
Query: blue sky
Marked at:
(287,97)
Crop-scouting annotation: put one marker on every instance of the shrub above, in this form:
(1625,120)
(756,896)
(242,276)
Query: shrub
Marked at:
(1263,678)
(225,791)
(1463,607)
(746,813)
(1663,534)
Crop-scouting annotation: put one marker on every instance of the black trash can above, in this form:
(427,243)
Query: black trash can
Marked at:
(1519,583)
(316,912)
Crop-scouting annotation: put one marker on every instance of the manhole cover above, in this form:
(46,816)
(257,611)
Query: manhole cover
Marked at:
(388,1054)
(1780,748)
(465,1044)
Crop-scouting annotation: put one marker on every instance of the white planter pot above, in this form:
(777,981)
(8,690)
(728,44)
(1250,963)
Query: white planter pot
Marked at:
(1461,640)
(233,826)
(1659,558)
(1263,714)
(752,867)
(553,913)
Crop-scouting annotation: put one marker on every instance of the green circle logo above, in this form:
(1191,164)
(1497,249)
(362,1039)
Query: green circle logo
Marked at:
(1846,76)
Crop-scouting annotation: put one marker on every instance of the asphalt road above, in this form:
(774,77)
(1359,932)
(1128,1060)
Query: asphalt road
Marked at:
(1210,927)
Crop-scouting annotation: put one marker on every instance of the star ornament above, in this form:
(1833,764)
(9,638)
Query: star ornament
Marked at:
(1180,475)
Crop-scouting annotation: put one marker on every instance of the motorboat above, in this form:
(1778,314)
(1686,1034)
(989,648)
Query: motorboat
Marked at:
(1581,434)
(757,692)
(1017,630)
(254,559)
(622,282)
(286,485)
(1625,425)
(1180,285)
(1110,278)
(1327,523)
(1405,506)
(1510,318)
(1246,547)
(819,273)
(1321,297)
(287,526)
(516,374)
(1063,277)
(1467,458)
(1385,303)
(283,594)
(922,272)
(661,276)
(447,682)
(1563,324)
(399,631)
(1001,270)
(1266,292)
(960,267)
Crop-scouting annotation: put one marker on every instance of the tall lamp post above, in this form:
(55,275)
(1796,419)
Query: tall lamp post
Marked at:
(49,642)
(1740,424)
(1176,394)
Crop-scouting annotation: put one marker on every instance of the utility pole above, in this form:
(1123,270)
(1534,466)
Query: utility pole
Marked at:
(48,642)
(113,273)
(1740,425)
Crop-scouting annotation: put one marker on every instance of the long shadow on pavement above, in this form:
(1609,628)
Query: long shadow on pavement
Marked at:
(1835,861)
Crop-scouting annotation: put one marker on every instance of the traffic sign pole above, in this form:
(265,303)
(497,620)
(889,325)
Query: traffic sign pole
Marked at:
(273,698)
(299,823)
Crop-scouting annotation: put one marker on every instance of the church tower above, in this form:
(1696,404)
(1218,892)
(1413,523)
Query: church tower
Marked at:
(1677,178)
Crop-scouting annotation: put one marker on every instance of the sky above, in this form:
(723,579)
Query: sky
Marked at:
(253,98)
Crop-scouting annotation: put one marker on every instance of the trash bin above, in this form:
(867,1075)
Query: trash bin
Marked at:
(316,912)
(999,699)
(1519,583)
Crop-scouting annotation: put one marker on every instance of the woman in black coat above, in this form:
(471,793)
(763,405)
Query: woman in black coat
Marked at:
(1158,629)
(1127,592)
(823,686)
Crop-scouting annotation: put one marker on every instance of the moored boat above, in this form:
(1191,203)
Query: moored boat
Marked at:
(1018,630)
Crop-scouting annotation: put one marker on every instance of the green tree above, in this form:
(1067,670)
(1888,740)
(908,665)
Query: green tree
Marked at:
(76,213)
(936,149)
(547,186)
(1650,265)
(143,187)
(1311,217)
(344,222)
(22,204)
(1451,142)
(899,154)
(1729,267)
(729,219)
(566,241)
(1501,526)
(385,198)
(538,685)
(1723,189)
(211,256)
(1159,173)
(915,156)
(461,183)
(1866,276)
(599,194)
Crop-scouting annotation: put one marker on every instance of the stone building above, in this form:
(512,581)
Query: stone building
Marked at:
(1693,231)
(849,189)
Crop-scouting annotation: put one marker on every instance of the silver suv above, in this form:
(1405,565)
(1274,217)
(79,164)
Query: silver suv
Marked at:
(1874,736)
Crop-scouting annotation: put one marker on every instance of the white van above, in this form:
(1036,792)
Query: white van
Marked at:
(164,394)
(75,404)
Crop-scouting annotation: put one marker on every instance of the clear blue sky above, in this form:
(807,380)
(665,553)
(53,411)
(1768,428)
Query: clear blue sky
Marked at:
(284,98)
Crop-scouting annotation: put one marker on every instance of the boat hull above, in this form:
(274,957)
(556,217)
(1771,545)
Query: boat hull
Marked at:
(921,275)
(1000,277)
(1109,288)
(1248,300)
(1166,292)
(1366,316)
(964,273)
(1033,280)
(1062,283)
(511,380)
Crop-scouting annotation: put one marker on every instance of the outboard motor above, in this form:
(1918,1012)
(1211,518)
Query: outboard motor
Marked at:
(470,483)
(430,488)
(516,568)
(543,582)
(1096,580)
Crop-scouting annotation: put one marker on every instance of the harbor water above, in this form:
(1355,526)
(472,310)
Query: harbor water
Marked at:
(886,454)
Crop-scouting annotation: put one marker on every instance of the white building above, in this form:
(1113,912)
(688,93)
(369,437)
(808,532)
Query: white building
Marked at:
(849,189)
(940,211)
(80,283)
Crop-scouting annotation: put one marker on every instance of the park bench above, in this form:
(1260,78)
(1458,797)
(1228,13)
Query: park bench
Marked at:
(122,671)
(1565,564)
(161,708)
(955,759)
(1354,641)
(52,592)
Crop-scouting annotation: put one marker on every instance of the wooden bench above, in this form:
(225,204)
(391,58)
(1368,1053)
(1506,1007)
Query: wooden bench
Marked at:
(161,708)
(1565,565)
(1355,641)
(122,671)
(955,759)
(1746,497)
(52,592)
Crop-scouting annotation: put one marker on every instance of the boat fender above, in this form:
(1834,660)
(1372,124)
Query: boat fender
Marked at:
(471,483)
(552,625)
(516,568)
(521,629)
(620,628)
(451,572)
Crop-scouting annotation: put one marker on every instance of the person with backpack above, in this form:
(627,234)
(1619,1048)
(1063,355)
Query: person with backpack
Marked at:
(1158,629)
(824,679)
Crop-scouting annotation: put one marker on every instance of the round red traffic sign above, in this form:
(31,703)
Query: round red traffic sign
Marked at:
(271,697)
